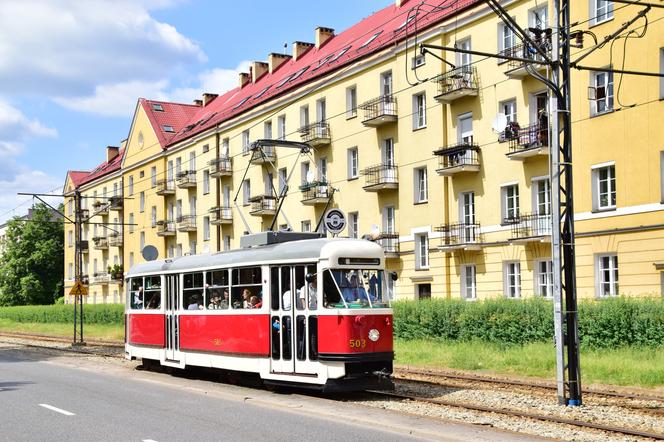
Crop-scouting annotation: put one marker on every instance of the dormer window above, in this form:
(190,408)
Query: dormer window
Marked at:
(168,128)
(157,107)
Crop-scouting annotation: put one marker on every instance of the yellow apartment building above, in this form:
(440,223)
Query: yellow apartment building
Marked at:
(446,164)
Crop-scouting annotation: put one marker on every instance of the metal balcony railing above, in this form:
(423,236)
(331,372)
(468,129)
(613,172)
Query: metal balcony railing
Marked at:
(115,240)
(186,223)
(460,235)
(84,246)
(102,278)
(530,226)
(116,202)
(316,134)
(381,177)
(527,141)
(517,68)
(100,207)
(222,166)
(389,241)
(263,155)
(101,242)
(380,110)
(460,157)
(221,215)
(186,179)
(315,193)
(165,187)
(263,205)
(165,228)
(457,83)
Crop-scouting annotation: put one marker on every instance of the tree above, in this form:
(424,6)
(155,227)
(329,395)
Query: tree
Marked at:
(31,268)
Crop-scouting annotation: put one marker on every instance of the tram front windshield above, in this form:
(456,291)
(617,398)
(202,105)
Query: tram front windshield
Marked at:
(357,288)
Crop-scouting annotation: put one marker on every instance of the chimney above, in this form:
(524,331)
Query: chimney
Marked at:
(243,79)
(398,3)
(323,35)
(208,97)
(111,152)
(258,68)
(275,60)
(299,48)
(198,102)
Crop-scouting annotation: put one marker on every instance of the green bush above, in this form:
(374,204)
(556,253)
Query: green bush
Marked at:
(60,313)
(607,323)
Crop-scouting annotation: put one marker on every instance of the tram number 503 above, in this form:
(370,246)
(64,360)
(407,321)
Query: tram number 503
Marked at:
(357,343)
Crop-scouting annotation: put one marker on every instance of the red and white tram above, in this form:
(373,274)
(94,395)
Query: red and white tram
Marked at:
(313,312)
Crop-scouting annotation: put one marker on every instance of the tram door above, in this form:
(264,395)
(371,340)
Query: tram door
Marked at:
(293,334)
(172,318)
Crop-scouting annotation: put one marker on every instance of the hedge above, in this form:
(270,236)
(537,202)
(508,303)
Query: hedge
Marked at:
(607,323)
(93,314)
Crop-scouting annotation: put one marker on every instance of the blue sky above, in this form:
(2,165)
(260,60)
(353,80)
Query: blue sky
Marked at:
(71,70)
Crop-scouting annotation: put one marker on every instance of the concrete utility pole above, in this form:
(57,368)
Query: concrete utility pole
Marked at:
(78,269)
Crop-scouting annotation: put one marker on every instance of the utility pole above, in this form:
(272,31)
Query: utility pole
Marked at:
(78,271)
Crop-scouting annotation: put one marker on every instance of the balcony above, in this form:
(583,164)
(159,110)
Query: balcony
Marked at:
(264,155)
(379,111)
(527,142)
(459,158)
(315,193)
(101,278)
(84,246)
(316,134)
(263,205)
(115,240)
(186,179)
(381,177)
(220,167)
(221,215)
(530,228)
(457,83)
(165,228)
(517,69)
(101,242)
(165,187)
(100,207)
(389,241)
(115,203)
(186,223)
(460,236)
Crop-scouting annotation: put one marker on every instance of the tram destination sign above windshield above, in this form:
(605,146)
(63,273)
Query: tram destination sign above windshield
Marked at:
(335,221)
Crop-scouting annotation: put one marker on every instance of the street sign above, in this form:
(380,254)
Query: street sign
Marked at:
(79,289)
(335,221)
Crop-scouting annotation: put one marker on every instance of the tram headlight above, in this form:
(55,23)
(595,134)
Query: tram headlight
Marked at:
(374,334)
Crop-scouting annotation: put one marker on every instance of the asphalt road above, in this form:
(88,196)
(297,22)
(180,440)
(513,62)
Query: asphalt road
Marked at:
(45,395)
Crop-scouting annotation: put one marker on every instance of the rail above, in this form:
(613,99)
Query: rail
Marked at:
(317,133)
(459,79)
(458,234)
(383,107)
(530,225)
(381,175)
(460,154)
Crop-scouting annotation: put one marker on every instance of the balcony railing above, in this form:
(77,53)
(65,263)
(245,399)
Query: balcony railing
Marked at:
(517,68)
(84,246)
(165,187)
(186,223)
(379,111)
(100,207)
(221,215)
(165,228)
(316,134)
(101,278)
(115,240)
(458,158)
(264,155)
(101,242)
(222,166)
(530,227)
(528,141)
(389,241)
(115,203)
(460,236)
(460,82)
(263,205)
(381,177)
(186,179)
(315,193)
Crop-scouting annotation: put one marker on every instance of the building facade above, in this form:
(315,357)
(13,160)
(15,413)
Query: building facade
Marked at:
(446,164)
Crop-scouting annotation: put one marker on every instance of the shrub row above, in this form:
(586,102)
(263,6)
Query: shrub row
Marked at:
(602,324)
(93,314)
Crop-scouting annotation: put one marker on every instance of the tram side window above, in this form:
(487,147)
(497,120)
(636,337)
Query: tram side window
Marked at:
(216,290)
(192,291)
(247,288)
(351,288)
(145,293)
(137,293)
(274,287)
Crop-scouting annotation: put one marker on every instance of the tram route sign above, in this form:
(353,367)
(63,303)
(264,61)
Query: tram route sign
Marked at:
(79,289)
(335,221)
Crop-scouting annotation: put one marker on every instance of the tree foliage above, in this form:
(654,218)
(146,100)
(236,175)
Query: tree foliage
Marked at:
(31,268)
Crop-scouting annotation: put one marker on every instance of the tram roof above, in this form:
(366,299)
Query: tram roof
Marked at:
(310,249)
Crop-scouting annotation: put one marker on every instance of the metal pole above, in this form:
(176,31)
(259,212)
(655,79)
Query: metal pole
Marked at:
(77,254)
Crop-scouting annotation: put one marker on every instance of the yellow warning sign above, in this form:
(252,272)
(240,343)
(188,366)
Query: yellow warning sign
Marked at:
(79,289)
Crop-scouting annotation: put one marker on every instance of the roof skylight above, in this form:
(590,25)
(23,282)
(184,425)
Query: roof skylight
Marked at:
(323,61)
(244,100)
(168,128)
(371,39)
(157,107)
(299,73)
(408,20)
(284,81)
(340,54)
(261,93)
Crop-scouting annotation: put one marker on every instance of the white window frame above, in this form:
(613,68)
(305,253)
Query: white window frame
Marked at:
(153,216)
(596,172)
(419,111)
(353,224)
(267,130)
(463,133)
(469,275)
(281,127)
(505,35)
(506,199)
(304,115)
(417,61)
(610,272)
(607,102)
(142,240)
(509,108)
(353,159)
(305,226)
(153,179)
(141,206)
(539,11)
(245,142)
(541,207)
(512,288)
(461,58)
(421,251)
(246,192)
(321,110)
(206,182)
(543,281)
(421,185)
(206,228)
(130,185)
(351,102)
(386,84)
(600,11)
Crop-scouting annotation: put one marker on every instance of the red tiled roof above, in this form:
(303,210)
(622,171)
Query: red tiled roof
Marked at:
(349,46)
(175,115)
(77,176)
(103,169)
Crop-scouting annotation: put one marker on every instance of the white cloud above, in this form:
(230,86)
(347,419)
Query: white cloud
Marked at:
(16,127)
(26,180)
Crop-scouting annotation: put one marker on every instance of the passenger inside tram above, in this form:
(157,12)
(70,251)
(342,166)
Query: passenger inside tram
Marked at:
(255,302)
(195,302)
(155,301)
(224,302)
(215,300)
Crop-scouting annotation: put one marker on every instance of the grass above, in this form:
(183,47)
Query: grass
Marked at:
(630,366)
(93,331)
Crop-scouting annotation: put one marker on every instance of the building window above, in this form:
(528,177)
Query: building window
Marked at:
(508,107)
(267,130)
(70,271)
(245,142)
(153,216)
(142,202)
(421,185)
(283,177)
(538,18)
(512,279)
(353,163)
(423,291)
(544,279)
(281,127)
(353,224)
(227,242)
(604,187)
(131,259)
(206,148)
(510,202)
(206,182)
(226,147)
(419,111)
(389,224)
(506,38)
(153,177)
(386,84)
(600,11)
(304,116)
(351,102)
(602,92)
(132,227)
(321,110)
(461,58)
(421,251)
(305,226)
(542,196)
(418,60)
(70,238)
(130,185)
(206,228)
(468,282)
(607,275)
(246,192)
(142,240)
